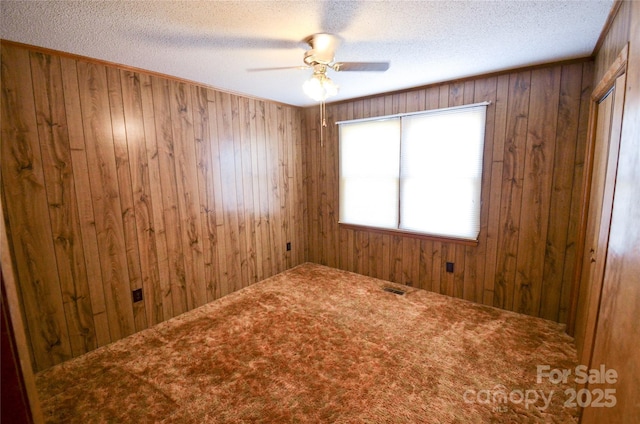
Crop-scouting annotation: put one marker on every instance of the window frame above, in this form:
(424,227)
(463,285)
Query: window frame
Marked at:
(416,234)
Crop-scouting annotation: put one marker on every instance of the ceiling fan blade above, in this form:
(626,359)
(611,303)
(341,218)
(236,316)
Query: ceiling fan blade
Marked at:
(278,68)
(361,66)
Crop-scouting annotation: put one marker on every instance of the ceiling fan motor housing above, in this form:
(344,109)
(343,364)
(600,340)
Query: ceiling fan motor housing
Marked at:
(323,49)
(312,57)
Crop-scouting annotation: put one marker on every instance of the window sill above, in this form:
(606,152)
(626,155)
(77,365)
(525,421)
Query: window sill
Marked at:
(421,236)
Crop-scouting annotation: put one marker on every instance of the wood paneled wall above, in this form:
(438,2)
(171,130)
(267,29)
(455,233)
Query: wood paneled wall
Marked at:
(617,338)
(531,193)
(614,40)
(115,180)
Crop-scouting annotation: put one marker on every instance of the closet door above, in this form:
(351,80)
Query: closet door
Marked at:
(605,165)
(599,217)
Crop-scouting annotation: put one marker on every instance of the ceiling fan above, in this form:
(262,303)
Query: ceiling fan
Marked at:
(322,53)
(321,57)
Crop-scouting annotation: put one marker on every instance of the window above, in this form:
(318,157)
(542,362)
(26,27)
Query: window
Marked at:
(419,172)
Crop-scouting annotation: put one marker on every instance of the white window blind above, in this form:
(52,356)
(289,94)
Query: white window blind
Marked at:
(418,172)
(367,177)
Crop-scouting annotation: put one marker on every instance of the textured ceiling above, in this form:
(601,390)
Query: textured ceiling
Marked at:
(218,42)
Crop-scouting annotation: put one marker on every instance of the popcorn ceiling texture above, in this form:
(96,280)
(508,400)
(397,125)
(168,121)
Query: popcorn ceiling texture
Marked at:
(320,345)
(215,42)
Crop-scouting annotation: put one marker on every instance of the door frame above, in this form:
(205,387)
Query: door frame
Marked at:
(16,324)
(606,83)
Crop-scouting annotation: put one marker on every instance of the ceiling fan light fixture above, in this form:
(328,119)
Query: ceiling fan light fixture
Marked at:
(319,87)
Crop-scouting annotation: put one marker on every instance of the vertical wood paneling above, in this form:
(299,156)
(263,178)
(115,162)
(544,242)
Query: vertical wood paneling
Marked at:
(205,188)
(283,187)
(103,176)
(263,187)
(297,181)
(331,189)
(536,189)
(29,225)
(395,259)
(241,251)
(166,166)
(322,196)
(425,280)
(483,90)
(218,209)
(615,40)
(312,143)
(458,273)
(577,193)
(273,177)
(141,197)
(305,187)
(188,200)
(493,195)
(261,248)
(115,180)
(82,189)
(342,114)
(228,205)
(125,193)
(568,114)
(244,146)
(361,250)
(447,280)
(157,230)
(534,142)
(190,194)
(511,197)
(65,226)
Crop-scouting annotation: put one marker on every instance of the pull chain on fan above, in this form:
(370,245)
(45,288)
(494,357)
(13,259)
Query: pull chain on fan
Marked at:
(319,87)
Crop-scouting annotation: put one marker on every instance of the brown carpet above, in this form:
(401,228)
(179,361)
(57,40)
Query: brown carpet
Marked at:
(316,344)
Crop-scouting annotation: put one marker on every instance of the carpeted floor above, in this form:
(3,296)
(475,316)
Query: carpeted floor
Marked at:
(316,344)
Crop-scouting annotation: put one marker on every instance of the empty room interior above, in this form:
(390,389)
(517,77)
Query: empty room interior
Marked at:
(320,211)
